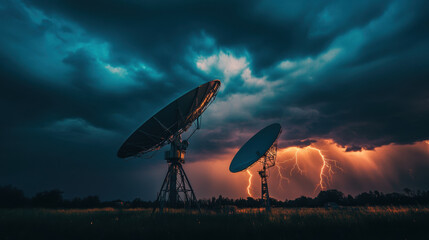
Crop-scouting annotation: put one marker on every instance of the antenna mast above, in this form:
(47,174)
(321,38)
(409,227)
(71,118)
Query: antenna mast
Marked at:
(268,160)
(176,188)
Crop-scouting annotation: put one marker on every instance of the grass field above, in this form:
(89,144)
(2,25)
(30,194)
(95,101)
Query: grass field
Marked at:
(302,223)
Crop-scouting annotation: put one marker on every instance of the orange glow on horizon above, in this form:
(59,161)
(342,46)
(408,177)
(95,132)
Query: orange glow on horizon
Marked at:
(305,171)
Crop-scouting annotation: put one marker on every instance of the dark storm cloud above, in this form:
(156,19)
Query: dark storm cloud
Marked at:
(381,104)
(84,75)
(269,30)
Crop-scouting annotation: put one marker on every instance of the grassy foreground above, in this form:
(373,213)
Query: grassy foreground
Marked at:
(303,223)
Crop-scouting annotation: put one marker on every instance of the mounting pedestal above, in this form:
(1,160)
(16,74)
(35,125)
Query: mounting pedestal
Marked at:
(176,190)
(265,196)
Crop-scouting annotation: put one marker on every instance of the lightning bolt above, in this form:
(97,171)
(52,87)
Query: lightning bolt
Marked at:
(325,171)
(250,183)
(296,164)
(281,168)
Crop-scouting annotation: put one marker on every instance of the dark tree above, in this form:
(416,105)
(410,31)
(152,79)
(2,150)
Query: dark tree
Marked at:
(11,197)
(302,202)
(48,199)
(332,195)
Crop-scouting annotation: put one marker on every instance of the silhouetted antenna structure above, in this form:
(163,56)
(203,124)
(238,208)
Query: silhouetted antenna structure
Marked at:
(262,147)
(167,127)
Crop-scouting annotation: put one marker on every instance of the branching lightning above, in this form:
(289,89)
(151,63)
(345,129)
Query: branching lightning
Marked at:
(282,177)
(296,163)
(325,171)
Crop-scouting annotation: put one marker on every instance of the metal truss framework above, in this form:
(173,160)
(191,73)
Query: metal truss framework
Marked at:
(176,190)
(267,161)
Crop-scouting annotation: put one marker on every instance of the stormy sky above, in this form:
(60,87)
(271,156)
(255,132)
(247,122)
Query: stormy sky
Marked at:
(348,77)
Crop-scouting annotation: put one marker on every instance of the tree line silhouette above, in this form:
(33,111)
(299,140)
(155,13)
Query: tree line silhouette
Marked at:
(12,197)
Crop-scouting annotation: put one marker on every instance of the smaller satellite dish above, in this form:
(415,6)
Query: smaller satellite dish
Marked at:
(263,147)
(255,148)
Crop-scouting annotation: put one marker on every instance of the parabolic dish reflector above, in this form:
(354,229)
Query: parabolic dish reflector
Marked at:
(255,148)
(170,121)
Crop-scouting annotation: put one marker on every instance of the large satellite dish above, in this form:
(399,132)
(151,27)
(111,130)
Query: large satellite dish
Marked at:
(261,147)
(170,122)
(166,127)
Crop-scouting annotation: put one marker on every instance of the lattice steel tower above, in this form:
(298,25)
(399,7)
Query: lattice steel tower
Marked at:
(268,160)
(176,188)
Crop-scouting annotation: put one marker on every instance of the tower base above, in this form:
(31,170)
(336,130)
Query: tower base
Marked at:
(265,196)
(176,190)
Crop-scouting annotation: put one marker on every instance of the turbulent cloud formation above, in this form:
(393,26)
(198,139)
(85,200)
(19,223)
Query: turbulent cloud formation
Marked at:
(78,77)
